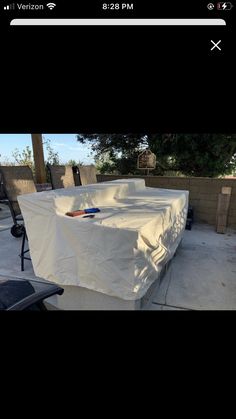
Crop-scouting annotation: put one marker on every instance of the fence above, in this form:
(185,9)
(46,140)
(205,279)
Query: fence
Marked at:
(203,193)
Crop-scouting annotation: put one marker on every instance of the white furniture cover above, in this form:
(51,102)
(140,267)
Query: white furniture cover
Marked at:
(121,251)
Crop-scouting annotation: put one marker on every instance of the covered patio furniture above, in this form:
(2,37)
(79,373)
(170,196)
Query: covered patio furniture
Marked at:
(115,259)
(61,176)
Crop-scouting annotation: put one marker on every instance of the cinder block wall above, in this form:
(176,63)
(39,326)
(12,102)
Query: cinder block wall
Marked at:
(203,193)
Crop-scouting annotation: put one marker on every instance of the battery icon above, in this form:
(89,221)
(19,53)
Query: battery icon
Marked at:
(224,5)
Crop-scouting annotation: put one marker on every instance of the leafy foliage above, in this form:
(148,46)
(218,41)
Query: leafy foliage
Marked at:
(24,158)
(191,154)
(115,152)
(73,162)
(53,156)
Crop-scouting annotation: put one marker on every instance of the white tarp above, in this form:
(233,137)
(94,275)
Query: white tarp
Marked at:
(121,251)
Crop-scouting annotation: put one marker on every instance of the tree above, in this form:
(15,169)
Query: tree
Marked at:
(113,144)
(204,154)
(104,164)
(115,152)
(6,161)
(53,156)
(73,162)
(24,158)
(191,154)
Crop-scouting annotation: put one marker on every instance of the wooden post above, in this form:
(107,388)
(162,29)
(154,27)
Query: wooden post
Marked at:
(222,209)
(37,143)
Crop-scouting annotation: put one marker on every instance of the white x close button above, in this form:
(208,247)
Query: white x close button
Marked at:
(215,45)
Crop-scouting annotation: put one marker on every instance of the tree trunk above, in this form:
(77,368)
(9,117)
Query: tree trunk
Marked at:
(40,173)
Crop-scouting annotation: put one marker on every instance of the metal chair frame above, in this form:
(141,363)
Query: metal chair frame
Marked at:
(56,177)
(18,229)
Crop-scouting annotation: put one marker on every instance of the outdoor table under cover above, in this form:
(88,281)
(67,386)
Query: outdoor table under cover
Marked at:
(121,251)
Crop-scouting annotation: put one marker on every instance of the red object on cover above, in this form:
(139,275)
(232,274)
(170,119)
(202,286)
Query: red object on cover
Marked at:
(75,213)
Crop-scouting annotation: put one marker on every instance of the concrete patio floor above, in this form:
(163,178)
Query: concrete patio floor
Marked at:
(202,275)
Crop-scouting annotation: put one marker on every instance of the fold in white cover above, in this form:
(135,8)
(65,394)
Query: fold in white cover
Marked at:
(121,251)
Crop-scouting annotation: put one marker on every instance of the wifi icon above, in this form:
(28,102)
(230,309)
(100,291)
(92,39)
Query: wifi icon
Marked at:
(51,5)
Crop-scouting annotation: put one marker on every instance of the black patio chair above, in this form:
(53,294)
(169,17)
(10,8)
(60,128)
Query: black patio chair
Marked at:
(87,174)
(190,218)
(25,295)
(3,198)
(76,175)
(17,180)
(61,176)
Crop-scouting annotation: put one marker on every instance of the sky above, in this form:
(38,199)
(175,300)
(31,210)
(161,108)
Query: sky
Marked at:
(65,144)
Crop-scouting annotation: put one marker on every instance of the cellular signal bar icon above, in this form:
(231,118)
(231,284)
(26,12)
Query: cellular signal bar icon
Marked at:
(9,7)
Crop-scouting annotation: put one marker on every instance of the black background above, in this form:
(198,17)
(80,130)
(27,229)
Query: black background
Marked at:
(129,79)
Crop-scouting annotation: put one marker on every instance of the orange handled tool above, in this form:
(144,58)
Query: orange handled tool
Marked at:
(75,213)
(81,212)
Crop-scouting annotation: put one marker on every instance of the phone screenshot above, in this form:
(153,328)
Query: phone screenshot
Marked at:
(117,156)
